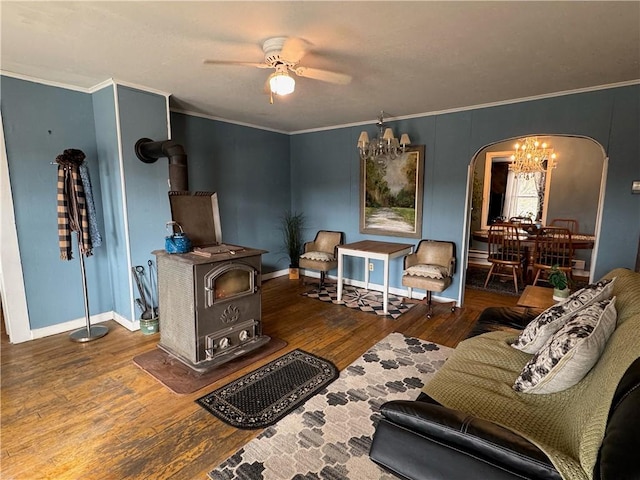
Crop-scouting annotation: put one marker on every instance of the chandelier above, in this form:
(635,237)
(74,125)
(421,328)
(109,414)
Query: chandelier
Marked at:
(384,146)
(531,157)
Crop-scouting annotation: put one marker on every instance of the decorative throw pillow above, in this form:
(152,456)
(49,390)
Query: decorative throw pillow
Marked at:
(538,331)
(429,271)
(571,352)
(320,256)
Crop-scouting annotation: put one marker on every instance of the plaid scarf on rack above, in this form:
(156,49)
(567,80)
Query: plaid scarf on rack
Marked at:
(72,209)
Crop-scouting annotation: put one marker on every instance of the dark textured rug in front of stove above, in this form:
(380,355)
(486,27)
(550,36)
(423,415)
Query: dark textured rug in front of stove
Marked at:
(264,396)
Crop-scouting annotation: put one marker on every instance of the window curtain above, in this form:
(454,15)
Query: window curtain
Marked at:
(512,190)
(523,196)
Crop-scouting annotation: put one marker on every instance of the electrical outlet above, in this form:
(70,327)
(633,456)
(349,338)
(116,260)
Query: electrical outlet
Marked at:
(370,266)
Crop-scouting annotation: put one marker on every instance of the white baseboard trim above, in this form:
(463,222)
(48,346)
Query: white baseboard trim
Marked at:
(70,325)
(126,323)
(277,273)
(478,257)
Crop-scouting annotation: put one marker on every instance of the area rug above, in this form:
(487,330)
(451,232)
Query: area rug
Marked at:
(330,435)
(361,299)
(180,379)
(476,277)
(264,396)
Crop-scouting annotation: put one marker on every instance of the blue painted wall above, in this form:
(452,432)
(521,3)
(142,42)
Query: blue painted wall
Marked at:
(259,174)
(610,116)
(250,171)
(109,167)
(40,123)
(142,115)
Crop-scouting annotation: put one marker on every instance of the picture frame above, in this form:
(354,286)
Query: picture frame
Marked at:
(391,194)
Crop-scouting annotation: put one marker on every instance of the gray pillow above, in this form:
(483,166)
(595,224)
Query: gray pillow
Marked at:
(538,331)
(571,352)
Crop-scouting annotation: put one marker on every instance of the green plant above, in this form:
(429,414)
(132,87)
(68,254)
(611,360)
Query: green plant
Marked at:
(558,278)
(291,226)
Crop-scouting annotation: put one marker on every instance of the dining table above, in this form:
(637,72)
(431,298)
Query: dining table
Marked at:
(579,241)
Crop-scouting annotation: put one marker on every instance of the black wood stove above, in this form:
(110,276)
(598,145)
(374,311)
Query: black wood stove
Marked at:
(209,299)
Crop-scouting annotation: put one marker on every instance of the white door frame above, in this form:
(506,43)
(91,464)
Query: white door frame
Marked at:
(14,299)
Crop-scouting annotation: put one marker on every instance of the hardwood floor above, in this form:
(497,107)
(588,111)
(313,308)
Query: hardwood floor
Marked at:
(85,411)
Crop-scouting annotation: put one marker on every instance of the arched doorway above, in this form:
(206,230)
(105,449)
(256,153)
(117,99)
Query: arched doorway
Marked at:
(574,188)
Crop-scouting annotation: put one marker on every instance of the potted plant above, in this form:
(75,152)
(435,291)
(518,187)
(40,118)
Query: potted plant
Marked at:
(558,279)
(291,226)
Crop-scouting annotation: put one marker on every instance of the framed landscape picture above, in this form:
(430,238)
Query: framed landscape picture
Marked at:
(391,193)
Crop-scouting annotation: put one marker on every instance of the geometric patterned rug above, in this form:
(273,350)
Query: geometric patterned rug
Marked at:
(362,299)
(262,397)
(330,435)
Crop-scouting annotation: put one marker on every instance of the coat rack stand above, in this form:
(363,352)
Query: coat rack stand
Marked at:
(89,332)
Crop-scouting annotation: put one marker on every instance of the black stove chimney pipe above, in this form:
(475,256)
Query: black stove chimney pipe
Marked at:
(149,151)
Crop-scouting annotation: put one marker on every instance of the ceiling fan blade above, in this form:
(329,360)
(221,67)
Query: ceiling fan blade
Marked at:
(229,62)
(294,49)
(323,75)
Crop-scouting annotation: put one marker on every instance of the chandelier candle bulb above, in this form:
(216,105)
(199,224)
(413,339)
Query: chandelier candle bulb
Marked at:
(363,140)
(384,146)
(530,157)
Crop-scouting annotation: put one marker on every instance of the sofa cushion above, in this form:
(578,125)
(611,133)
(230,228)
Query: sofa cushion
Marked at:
(538,331)
(319,256)
(571,352)
(429,271)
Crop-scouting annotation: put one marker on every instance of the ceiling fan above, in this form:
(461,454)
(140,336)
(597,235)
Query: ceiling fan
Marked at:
(283,54)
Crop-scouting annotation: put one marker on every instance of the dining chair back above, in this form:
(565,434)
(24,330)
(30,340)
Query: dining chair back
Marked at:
(569,223)
(505,253)
(553,246)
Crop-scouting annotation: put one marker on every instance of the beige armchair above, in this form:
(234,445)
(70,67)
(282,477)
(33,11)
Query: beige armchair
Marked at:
(430,268)
(322,253)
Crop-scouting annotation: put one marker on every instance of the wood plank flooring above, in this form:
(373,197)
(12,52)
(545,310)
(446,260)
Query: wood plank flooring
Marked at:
(85,411)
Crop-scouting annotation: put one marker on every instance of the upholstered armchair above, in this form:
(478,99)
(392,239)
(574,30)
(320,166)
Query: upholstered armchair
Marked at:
(429,268)
(322,253)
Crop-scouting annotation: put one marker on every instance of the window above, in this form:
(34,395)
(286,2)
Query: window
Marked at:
(504,197)
(523,196)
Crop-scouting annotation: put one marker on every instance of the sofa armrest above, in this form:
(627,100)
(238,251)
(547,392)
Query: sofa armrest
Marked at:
(473,435)
(618,454)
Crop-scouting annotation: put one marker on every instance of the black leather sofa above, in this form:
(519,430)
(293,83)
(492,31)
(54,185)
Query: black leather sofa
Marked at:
(422,439)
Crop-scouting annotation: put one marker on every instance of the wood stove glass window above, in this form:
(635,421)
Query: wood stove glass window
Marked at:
(229,282)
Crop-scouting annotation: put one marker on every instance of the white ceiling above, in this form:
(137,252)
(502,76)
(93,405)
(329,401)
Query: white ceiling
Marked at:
(405,58)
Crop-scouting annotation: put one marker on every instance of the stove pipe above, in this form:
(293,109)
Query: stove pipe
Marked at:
(149,151)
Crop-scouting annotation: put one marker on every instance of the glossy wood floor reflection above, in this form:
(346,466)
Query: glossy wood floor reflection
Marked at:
(85,411)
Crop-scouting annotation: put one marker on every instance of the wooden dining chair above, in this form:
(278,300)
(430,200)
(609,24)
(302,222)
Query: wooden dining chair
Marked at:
(553,246)
(506,255)
(569,223)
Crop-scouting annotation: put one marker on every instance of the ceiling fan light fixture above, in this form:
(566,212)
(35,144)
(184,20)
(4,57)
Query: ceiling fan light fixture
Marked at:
(281,83)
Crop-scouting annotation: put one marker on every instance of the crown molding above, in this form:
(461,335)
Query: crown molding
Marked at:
(478,106)
(226,120)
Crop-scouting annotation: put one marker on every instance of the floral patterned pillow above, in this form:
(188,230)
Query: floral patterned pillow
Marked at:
(429,271)
(571,352)
(538,331)
(320,256)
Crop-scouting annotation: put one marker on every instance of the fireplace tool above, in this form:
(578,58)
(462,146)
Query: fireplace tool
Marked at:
(147,312)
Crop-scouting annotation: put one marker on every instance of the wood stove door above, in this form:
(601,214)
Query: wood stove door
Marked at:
(228,306)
